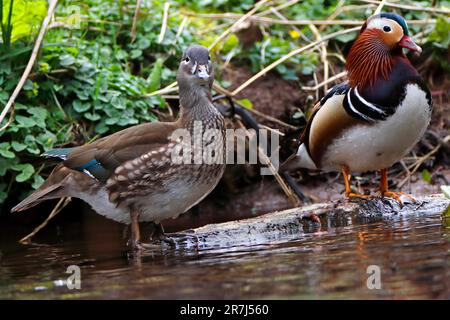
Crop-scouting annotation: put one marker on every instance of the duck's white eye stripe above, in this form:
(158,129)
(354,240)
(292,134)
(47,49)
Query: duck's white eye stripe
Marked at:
(194,68)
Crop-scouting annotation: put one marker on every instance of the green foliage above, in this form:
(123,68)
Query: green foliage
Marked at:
(20,18)
(218,5)
(88,81)
(440,38)
(426,175)
(246,103)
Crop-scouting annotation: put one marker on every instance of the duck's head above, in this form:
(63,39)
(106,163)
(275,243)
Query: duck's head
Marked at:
(195,68)
(382,38)
(391,30)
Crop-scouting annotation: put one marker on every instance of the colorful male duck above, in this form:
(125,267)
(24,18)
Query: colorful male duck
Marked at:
(130,176)
(377,116)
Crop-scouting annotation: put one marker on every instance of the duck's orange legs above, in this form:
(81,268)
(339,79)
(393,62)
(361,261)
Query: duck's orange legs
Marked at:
(348,192)
(384,190)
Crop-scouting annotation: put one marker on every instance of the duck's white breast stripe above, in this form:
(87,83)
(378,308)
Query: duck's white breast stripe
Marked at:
(368,104)
(353,109)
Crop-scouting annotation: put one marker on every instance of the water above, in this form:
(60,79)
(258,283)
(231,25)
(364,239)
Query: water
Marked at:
(412,252)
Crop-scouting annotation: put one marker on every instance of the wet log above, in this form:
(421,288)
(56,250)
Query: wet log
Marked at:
(290,224)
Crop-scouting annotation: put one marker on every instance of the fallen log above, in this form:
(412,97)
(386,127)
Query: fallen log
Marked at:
(290,224)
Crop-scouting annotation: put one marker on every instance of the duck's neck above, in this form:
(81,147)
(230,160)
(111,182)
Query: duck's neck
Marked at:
(195,103)
(370,59)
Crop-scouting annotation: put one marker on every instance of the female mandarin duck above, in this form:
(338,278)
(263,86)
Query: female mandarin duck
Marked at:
(129,176)
(377,116)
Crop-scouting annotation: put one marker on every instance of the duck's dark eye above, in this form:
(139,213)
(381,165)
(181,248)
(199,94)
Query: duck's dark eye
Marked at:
(186,59)
(387,29)
(209,58)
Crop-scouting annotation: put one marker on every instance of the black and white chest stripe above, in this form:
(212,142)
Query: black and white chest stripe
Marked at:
(358,107)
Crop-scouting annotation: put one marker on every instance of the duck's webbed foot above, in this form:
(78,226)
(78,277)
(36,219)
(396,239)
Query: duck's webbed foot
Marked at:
(348,193)
(158,234)
(135,240)
(384,190)
(397,196)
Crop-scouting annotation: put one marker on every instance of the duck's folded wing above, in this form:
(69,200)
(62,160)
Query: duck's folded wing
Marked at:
(103,156)
(339,89)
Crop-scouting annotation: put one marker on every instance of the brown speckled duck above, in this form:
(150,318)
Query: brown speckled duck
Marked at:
(130,176)
(371,121)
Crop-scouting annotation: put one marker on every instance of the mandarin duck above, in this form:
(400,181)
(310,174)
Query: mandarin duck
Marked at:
(130,176)
(376,117)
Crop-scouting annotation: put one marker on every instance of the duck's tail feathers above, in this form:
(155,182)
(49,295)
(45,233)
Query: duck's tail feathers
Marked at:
(52,188)
(298,160)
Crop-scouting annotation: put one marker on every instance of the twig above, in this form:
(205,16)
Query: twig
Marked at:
(237,23)
(272,119)
(277,8)
(380,7)
(291,54)
(336,12)
(266,161)
(135,17)
(59,206)
(164,23)
(221,90)
(33,56)
(170,88)
(409,7)
(278,132)
(279,15)
(214,28)
(181,27)
(423,159)
(331,79)
(267,20)
(10,120)
(323,55)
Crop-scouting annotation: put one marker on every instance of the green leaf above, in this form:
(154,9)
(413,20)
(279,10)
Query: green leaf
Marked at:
(37,181)
(440,34)
(25,122)
(4,150)
(5,165)
(92,116)
(426,175)
(17,146)
(101,127)
(32,148)
(66,60)
(39,115)
(47,140)
(26,17)
(154,79)
(26,171)
(80,107)
(245,103)
(136,53)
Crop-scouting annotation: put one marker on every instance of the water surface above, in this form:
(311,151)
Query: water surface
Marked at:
(412,252)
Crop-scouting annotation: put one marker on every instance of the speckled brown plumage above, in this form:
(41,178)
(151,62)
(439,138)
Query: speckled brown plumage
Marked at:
(130,176)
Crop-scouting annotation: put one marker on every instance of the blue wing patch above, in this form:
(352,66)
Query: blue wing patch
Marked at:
(93,168)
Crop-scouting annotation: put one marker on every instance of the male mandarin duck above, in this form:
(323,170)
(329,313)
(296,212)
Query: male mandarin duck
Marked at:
(129,176)
(376,117)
